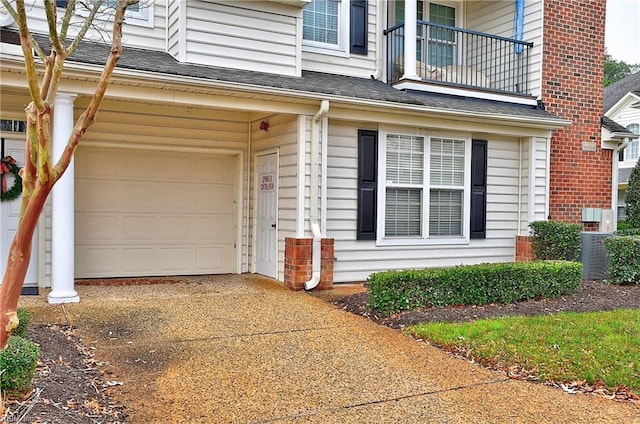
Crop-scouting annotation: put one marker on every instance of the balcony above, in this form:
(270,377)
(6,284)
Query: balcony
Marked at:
(461,58)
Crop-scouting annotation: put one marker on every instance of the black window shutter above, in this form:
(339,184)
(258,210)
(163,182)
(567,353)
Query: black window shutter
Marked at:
(479,189)
(367,184)
(358,27)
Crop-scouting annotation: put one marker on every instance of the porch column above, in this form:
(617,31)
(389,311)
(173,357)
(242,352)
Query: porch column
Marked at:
(410,36)
(62,219)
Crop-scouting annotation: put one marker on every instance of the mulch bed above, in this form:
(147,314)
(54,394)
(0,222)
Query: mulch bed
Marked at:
(70,387)
(591,296)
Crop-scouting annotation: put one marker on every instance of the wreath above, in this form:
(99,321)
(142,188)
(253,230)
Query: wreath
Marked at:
(8,166)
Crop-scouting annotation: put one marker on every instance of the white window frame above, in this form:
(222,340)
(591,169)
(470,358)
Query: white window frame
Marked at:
(340,49)
(142,17)
(633,146)
(424,239)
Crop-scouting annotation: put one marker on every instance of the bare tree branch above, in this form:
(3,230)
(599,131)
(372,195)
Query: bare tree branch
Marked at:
(27,46)
(85,27)
(88,116)
(52,19)
(66,20)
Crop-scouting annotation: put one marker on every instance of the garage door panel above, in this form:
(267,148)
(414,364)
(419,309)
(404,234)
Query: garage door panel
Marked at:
(177,229)
(141,260)
(91,164)
(138,228)
(97,196)
(139,196)
(177,260)
(211,259)
(98,261)
(154,213)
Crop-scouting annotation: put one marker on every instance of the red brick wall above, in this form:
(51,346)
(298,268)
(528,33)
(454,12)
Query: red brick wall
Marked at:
(572,74)
(298,263)
(524,249)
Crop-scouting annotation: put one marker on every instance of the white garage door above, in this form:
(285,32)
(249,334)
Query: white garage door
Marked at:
(150,213)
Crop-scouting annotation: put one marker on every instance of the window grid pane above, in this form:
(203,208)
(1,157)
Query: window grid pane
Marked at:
(447,162)
(632,152)
(403,212)
(405,159)
(320,21)
(445,213)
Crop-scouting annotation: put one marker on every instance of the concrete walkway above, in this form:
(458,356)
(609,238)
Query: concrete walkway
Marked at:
(241,349)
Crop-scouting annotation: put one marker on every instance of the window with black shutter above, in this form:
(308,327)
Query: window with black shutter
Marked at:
(367,182)
(478,189)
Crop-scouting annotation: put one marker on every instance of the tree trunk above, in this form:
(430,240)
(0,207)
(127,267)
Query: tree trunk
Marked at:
(18,263)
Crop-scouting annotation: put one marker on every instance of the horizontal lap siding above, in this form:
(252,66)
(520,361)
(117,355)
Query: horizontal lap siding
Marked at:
(497,17)
(349,64)
(237,37)
(282,134)
(357,259)
(133,35)
(538,171)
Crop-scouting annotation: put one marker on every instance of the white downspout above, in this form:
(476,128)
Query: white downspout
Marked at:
(380,50)
(313,194)
(614,179)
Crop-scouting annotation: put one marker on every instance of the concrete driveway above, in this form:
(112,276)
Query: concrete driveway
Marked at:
(242,349)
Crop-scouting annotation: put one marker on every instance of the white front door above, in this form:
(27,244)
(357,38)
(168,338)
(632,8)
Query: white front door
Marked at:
(10,214)
(267,215)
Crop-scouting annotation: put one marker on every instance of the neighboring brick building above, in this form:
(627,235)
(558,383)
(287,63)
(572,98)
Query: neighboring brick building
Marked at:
(572,75)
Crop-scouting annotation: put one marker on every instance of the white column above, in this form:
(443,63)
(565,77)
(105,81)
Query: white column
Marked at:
(410,36)
(62,220)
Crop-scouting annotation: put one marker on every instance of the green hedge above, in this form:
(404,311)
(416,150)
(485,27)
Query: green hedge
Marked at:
(393,291)
(24,318)
(628,232)
(18,361)
(555,241)
(624,259)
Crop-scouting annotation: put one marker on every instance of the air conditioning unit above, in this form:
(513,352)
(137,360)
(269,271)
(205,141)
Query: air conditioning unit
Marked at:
(595,264)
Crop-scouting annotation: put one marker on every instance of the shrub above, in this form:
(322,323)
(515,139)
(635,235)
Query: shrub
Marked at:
(623,225)
(624,259)
(632,197)
(18,361)
(629,232)
(556,241)
(24,316)
(393,291)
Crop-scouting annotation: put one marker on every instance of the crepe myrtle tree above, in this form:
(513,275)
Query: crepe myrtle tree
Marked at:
(41,170)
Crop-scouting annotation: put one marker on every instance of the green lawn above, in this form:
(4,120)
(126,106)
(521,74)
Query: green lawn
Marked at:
(598,347)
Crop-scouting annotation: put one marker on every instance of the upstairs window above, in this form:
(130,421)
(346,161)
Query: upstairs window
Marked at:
(632,152)
(325,26)
(140,14)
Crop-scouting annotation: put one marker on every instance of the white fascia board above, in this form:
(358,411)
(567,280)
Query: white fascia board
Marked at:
(628,100)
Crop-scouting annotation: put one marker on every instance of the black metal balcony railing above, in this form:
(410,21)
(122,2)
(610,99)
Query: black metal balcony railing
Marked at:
(462,57)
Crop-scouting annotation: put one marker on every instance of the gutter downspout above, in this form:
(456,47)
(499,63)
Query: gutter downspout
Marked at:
(313,194)
(614,178)
(379,43)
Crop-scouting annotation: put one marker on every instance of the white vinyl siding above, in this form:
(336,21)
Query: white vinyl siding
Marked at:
(283,136)
(149,36)
(235,36)
(357,259)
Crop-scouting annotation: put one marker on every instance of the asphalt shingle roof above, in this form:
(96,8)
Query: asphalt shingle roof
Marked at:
(310,82)
(619,89)
(613,126)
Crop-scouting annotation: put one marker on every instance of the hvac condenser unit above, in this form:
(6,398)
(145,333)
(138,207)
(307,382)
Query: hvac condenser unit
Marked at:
(595,264)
